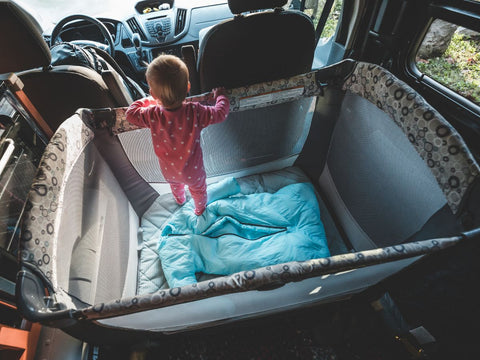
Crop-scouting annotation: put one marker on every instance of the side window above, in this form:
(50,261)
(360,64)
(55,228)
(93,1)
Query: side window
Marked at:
(325,15)
(314,9)
(450,55)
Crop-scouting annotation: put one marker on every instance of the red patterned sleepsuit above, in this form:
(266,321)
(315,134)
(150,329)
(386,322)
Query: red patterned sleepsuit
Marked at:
(176,141)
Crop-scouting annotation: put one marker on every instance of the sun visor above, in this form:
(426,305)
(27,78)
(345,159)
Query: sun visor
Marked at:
(22,45)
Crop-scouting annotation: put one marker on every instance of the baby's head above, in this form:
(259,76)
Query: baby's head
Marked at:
(167,76)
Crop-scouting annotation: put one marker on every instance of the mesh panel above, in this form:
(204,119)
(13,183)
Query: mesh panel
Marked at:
(139,149)
(70,228)
(94,230)
(245,139)
(380,177)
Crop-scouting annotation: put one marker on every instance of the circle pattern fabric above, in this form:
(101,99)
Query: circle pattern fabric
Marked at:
(435,140)
(46,198)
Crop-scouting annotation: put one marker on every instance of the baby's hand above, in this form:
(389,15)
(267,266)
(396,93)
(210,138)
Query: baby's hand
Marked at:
(149,101)
(218,91)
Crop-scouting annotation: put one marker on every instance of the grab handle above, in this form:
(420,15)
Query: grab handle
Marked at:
(6,155)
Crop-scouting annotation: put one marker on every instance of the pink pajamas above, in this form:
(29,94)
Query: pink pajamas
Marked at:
(176,141)
(198,191)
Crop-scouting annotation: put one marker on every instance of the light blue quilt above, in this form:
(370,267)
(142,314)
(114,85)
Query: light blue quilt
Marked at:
(239,232)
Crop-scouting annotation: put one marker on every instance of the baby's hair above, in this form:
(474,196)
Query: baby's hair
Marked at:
(168,75)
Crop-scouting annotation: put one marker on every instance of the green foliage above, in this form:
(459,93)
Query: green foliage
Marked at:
(458,68)
(332,20)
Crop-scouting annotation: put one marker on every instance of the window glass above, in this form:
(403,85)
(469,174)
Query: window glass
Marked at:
(332,21)
(20,151)
(314,8)
(450,54)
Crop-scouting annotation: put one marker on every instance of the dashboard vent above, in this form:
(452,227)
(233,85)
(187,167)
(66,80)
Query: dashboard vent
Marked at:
(181,20)
(135,26)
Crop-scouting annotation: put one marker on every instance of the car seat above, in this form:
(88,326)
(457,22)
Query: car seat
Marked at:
(56,91)
(262,45)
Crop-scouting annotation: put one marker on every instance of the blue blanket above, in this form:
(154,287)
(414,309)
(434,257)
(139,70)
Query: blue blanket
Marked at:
(240,232)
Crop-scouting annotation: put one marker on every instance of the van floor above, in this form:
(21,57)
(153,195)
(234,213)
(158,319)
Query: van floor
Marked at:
(346,330)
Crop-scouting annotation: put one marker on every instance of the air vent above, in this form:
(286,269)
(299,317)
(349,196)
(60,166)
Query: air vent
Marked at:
(135,26)
(181,20)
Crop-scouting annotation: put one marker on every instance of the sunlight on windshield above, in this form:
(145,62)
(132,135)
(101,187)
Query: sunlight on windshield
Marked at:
(48,12)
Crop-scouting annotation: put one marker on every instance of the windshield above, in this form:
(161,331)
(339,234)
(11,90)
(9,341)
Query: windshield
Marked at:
(49,12)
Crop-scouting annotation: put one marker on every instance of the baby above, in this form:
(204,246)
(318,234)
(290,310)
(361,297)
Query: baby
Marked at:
(175,126)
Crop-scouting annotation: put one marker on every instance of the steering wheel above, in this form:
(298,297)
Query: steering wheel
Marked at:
(110,48)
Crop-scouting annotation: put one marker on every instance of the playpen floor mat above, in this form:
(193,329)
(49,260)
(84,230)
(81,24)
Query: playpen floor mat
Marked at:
(151,277)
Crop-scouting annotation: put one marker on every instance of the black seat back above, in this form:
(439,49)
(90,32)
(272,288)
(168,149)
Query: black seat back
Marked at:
(21,43)
(56,91)
(256,47)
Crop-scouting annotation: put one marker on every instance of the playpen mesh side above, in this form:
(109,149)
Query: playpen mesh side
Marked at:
(94,232)
(246,139)
(76,228)
(383,186)
(436,141)
(393,161)
(45,199)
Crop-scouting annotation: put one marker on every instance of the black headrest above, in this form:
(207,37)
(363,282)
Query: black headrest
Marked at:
(21,43)
(240,6)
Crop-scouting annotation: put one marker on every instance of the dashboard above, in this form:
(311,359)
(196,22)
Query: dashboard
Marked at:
(163,27)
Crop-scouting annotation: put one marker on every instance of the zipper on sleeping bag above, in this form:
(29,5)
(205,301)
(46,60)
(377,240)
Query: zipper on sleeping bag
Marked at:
(227,225)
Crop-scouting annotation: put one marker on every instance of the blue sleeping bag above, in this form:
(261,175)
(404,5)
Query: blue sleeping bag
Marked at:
(240,232)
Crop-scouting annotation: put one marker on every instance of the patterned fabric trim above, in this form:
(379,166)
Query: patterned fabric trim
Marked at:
(267,93)
(435,140)
(255,279)
(121,123)
(45,200)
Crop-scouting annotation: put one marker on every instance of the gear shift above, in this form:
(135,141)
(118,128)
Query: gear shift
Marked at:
(137,42)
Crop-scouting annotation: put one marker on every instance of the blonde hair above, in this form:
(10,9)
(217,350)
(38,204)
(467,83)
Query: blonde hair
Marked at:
(167,75)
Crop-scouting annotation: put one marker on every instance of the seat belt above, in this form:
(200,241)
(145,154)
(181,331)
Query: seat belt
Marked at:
(323,19)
